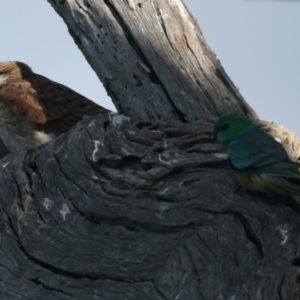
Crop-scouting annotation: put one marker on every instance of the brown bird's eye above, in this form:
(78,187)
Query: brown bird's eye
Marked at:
(225,126)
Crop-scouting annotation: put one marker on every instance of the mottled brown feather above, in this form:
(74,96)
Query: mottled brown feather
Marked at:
(53,107)
(22,96)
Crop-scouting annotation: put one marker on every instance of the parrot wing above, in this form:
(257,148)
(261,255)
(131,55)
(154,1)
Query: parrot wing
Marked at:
(258,149)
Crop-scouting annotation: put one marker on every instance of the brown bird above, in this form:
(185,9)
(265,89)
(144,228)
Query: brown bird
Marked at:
(35,109)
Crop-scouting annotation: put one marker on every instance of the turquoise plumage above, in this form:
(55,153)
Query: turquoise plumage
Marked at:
(260,163)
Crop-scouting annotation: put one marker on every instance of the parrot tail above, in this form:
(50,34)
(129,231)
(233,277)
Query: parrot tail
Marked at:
(269,183)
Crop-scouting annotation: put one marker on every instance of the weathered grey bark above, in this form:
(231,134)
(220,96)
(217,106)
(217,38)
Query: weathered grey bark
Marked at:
(120,209)
(123,208)
(152,59)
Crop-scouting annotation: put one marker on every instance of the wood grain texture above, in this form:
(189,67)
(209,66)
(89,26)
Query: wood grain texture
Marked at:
(119,208)
(126,209)
(152,59)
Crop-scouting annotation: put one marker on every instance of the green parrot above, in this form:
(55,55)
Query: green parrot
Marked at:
(259,162)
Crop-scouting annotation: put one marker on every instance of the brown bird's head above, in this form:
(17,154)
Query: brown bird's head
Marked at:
(11,71)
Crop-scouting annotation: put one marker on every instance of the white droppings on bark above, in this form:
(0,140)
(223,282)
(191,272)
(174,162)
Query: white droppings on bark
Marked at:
(64,211)
(165,144)
(221,155)
(47,203)
(5,165)
(96,144)
(117,119)
(283,231)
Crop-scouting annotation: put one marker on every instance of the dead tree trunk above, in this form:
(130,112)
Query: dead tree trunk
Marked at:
(143,207)
(152,59)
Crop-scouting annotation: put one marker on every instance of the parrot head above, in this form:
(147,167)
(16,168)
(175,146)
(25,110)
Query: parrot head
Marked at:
(230,127)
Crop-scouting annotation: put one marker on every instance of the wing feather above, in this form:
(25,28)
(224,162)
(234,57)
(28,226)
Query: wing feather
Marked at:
(52,106)
(258,149)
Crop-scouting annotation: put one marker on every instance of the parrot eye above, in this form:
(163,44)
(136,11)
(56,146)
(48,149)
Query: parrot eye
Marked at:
(224,126)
